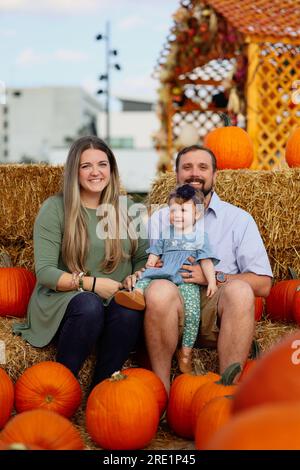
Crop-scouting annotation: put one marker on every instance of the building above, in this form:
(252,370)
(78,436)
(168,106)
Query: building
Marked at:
(39,124)
(34,122)
(131,131)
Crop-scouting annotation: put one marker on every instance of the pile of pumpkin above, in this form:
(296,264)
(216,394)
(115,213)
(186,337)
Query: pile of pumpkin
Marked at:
(122,412)
(261,411)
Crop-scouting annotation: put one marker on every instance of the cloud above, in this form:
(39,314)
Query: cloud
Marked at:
(30,57)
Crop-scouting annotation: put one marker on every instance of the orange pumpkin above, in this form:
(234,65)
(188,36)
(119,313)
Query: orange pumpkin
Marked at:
(179,413)
(211,418)
(259,308)
(49,385)
(122,413)
(279,303)
(296,305)
(42,428)
(153,382)
(269,427)
(292,150)
(231,145)
(214,388)
(16,286)
(275,377)
(6,397)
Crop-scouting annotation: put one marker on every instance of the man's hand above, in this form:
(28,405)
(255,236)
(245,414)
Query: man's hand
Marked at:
(194,274)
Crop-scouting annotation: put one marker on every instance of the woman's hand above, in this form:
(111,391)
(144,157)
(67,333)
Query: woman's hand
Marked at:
(106,287)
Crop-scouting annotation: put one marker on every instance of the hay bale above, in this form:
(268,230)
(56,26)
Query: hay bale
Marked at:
(23,188)
(271,197)
(19,355)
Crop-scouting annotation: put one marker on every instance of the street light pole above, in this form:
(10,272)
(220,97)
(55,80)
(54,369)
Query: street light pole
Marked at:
(108,53)
(107,109)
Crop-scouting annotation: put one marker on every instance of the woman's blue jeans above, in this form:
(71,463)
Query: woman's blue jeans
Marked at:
(112,331)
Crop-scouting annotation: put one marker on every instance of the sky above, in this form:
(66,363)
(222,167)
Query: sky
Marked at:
(52,43)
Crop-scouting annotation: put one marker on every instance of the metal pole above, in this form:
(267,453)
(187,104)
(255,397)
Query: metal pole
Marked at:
(108,83)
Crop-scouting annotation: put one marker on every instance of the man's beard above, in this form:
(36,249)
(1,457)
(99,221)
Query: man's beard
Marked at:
(205,191)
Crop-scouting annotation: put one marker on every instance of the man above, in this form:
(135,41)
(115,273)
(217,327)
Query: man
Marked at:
(243,272)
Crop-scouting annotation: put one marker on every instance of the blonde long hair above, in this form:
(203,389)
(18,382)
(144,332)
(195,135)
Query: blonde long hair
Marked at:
(75,243)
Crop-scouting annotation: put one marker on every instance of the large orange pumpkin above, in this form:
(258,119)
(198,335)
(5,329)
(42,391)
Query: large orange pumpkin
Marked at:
(292,150)
(275,377)
(6,397)
(214,388)
(269,427)
(153,382)
(211,418)
(179,413)
(42,428)
(279,303)
(231,145)
(49,385)
(16,286)
(122,413)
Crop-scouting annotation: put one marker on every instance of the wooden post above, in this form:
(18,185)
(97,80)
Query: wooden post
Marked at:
(252,99)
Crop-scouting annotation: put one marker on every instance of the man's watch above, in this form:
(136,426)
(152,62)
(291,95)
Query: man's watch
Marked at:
(221,277)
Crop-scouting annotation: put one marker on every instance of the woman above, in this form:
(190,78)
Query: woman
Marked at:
(79,269)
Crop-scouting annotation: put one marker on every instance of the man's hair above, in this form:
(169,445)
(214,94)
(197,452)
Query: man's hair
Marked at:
(192,148)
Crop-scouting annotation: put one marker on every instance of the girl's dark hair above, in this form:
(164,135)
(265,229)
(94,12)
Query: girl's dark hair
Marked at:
(186,192)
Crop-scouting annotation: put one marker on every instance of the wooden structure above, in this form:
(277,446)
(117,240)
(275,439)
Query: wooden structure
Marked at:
(236,56)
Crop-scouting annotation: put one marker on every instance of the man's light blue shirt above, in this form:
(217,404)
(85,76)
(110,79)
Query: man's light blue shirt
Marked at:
(232,233)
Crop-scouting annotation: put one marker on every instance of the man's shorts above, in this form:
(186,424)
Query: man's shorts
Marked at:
(209,323)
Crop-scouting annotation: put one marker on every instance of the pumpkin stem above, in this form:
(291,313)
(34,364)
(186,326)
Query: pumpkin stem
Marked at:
(17,446)
(49,398)
(116,376)
(293,273)
(255,350)
(226,119)
(228,376)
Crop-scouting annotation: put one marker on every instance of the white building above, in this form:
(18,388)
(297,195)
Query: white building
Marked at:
(35,121)
(131,131)
(38,124)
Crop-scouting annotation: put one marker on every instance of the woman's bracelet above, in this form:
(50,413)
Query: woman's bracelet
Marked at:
(94,283)
(80,281)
